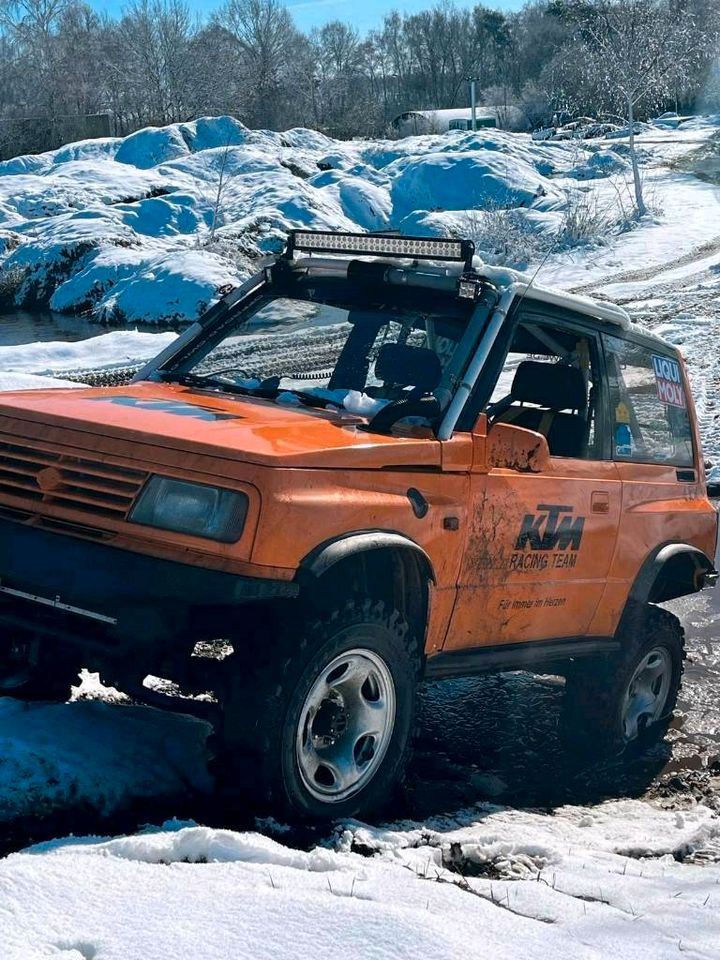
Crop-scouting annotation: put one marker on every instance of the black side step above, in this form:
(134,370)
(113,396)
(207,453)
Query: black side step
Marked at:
(536,657)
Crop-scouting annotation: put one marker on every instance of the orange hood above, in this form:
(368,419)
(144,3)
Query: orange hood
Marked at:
(236,428)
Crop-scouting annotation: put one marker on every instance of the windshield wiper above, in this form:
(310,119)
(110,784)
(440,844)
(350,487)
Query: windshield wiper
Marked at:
(269,389)
(309,399)
(210,383)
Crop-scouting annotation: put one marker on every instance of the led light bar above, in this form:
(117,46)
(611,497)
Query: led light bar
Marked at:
(368,244)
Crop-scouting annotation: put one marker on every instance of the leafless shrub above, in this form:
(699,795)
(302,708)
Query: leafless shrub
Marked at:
(627,213)
(508,237)
(221,184)
(585,219)
(11,279)
(231,250)
(503,236)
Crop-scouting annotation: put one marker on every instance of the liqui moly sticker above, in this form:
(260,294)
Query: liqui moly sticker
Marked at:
(669,381)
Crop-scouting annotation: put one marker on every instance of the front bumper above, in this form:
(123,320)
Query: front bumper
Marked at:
(56,584)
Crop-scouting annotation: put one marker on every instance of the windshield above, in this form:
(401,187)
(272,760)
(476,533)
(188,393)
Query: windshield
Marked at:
(304,348)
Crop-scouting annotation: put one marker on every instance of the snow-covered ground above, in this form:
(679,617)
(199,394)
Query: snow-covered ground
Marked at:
(584,883)
(622,878)
(122,228)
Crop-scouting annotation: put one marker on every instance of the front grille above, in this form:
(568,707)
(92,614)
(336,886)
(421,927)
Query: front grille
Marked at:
(46,476)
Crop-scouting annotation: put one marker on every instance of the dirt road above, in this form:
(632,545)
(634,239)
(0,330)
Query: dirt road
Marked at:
(648,273)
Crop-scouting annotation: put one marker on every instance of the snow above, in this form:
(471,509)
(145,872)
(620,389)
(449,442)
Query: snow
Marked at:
(150,227)
(477,179)
(30,381)
(488,881)
(94,754)
(117,348)
(120,228)
(140,229)
(615,878)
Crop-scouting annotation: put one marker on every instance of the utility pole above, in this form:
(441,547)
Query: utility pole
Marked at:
(473,102)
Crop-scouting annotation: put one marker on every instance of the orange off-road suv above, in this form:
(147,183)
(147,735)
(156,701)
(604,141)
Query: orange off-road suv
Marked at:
(373,463)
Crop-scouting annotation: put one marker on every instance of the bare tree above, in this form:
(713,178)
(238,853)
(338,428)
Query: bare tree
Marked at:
(264,33)
(640,49)
(155,64)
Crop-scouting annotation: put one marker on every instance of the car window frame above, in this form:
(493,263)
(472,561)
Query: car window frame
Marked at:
(661,349)
(560,318)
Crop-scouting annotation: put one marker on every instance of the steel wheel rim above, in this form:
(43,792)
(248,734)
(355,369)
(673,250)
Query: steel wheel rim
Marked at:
(345,725)
(647,693)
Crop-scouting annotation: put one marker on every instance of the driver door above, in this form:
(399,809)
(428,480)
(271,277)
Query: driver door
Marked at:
(545,496)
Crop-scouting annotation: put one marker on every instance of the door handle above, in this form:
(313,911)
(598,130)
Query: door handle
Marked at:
(600,502)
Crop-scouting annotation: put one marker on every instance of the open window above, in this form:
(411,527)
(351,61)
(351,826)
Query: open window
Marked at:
(548,383)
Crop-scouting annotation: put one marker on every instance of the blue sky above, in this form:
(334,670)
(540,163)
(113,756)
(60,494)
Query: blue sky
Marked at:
(314,13)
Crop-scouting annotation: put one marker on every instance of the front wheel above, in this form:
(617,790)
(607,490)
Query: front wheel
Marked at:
(628,699)
(329,715)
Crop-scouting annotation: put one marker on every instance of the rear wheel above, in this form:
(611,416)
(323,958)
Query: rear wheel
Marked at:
(628,699)
(327,717)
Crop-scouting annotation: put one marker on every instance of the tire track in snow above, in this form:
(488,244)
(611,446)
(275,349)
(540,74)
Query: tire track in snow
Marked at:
(648,273)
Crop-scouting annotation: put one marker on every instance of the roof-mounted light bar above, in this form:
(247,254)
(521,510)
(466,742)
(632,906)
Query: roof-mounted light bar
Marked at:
(378,245)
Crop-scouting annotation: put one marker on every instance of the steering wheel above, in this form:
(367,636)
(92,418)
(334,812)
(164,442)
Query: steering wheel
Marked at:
(427,407)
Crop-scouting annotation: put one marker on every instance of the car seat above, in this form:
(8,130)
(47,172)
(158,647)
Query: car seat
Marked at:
(551,388)
(399,366)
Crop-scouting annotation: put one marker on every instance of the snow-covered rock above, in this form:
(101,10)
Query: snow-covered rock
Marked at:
(138,229)
(604,163)
(481,179)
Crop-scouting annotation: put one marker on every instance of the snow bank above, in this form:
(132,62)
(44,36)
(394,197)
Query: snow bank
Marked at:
(118,348)
(151,227)
(584,884)
(94,755)
(172,287)
(601,164)
(481,179)
(30,381)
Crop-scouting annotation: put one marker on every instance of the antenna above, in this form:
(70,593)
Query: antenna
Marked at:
(542,263)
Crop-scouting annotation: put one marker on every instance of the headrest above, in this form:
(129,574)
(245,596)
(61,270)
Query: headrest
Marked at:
(553,385)
(399,364)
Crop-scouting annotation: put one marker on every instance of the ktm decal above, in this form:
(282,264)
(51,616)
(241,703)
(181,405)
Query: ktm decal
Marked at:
(545,530)
(553,536)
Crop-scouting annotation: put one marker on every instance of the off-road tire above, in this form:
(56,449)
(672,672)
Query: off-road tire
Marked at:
(593,708)
(255,744)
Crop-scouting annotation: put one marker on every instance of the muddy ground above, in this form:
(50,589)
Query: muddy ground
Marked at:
(497,738)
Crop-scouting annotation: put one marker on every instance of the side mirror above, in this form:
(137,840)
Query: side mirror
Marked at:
(516,448)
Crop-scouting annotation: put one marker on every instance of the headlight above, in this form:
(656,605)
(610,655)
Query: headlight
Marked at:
(192,508)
